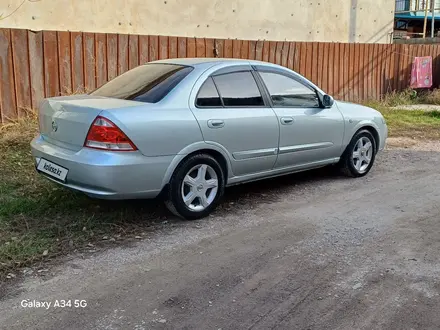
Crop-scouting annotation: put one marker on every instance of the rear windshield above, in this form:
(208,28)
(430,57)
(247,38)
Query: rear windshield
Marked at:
(146,83)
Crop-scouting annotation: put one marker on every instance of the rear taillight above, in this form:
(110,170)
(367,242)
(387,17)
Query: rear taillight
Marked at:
(105,135)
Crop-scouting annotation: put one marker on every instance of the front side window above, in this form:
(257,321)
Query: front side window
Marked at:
(238,89)
(208,95)
(146,83)
(287,92)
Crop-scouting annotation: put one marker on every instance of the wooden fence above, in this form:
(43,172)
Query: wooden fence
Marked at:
(34,65)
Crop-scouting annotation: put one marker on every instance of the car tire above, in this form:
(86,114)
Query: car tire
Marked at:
(358,158)
(196,187)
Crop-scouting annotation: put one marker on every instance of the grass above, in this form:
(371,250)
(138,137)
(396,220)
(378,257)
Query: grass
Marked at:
(40,220)
(418,124)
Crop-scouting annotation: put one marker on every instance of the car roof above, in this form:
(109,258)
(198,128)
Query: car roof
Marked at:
(205,60)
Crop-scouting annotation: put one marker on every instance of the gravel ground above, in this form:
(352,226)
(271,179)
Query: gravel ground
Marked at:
(423,107)
(308,251)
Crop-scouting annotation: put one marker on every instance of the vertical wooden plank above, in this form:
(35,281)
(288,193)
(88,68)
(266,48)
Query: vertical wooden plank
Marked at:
(163,47)
(291,54)
(236,48)
(181,48)
(209,47)
(191,47)
(244,51)
(89,62)
(172,47)
(325,68)
(219,46)
(51,79)
(346,66)
(397,59)
(101,59)
(200,47)
(259,50)
(331,68)
(296,55)
(305,51)
(320,64)
(356,73)
(122,53)
(314,62)
(76,46)
(153,52)
(272,51)
(36,66)
(381,69)
(21,71)
(112,56)
(278,52)
(65,63)
(390,83)
(8,105)
(143,49)
(252,49)
(309,60)
(376,72)
(133,51)
(352,71)
(360,77)
(228,48)
(337,70)
(384,69)
(285,54)
(402,67)
(266,47)
(367,62)
(371,58)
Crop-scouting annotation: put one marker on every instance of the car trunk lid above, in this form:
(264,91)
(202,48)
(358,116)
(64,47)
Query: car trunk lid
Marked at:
(65,121)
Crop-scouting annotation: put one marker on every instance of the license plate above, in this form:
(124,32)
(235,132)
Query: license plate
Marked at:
(53,170)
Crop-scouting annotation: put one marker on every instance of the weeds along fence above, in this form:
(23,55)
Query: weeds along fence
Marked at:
(35,65)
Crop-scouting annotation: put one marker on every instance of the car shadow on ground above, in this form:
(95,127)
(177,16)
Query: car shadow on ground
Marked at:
(236,198)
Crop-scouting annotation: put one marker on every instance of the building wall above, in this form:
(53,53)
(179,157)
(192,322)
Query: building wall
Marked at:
(299,20)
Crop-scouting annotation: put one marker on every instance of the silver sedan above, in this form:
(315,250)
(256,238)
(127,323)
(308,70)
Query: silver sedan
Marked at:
(185,129)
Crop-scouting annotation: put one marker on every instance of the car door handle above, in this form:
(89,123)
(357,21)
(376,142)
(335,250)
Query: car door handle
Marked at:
(216,123)
(286,120)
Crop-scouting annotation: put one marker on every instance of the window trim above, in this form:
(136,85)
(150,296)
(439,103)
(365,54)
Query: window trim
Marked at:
(231,70)
(259,69)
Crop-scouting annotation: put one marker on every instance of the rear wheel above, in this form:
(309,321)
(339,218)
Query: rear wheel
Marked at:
(358,158)
(196,187)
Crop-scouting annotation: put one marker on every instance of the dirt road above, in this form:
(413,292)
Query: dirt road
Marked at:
(310,251)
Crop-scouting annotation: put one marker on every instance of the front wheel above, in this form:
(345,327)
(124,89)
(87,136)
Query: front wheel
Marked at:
(358,158)
(196,187)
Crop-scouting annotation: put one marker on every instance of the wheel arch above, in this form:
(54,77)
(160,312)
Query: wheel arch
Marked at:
(200,148)
(374,132)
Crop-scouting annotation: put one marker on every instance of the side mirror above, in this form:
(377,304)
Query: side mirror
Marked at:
(327,101)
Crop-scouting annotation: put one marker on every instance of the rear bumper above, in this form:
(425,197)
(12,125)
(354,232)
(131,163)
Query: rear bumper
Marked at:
(106,175)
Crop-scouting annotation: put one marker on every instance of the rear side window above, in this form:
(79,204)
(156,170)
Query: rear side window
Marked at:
(287,92)
(146,83)
(208,95)
(238,89)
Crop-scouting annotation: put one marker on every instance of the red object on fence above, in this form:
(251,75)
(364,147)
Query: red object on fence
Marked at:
(421,74)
